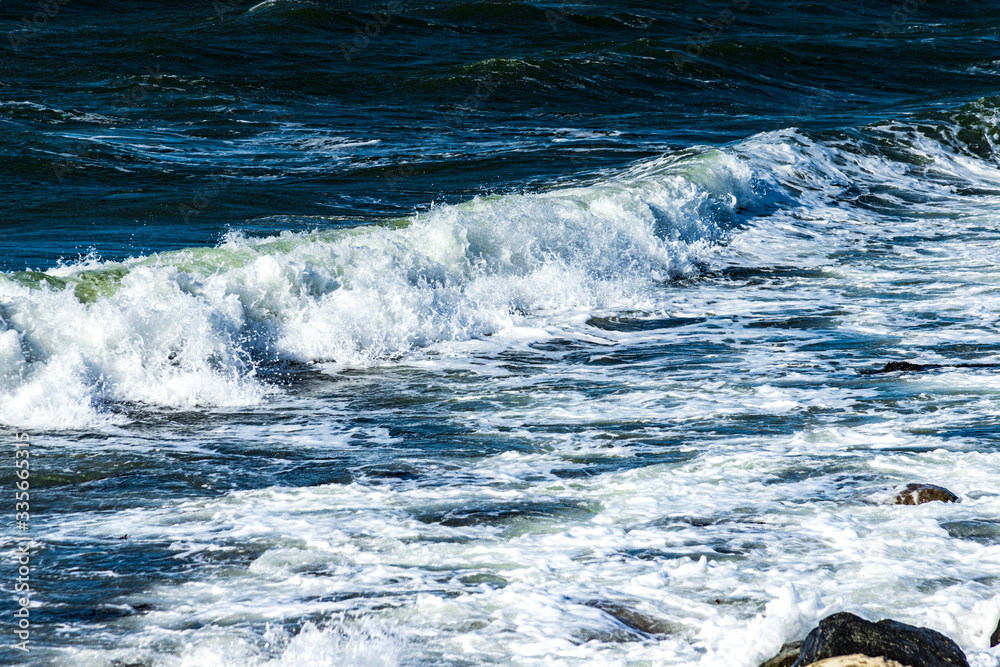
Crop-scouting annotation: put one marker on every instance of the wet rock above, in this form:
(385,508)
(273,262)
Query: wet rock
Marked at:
(788,654)
(917,494)
(857,660)
(845,634)
(633,619)
(894,366)
(907,367)
(975,530)
(995,637)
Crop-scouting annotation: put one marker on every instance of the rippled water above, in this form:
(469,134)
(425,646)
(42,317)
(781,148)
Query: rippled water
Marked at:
(517,333)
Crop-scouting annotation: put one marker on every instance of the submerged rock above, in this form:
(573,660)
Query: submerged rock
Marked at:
(995,637)
(845,634)
(788,654)
(857,660)
(907,367)
(917,494)
(633,619)
(894,366)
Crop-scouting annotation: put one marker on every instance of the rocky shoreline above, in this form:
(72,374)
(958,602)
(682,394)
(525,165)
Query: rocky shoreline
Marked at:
(847,640)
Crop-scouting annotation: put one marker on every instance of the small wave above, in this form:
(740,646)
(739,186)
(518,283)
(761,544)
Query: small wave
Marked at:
(198,326)
(193,327)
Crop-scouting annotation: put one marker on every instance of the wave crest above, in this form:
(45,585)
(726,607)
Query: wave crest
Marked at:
(193,327)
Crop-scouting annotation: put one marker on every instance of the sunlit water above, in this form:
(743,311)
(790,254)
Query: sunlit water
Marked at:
(621,421)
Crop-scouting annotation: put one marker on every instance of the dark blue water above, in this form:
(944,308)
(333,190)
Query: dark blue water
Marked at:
(131,128)
(377,333)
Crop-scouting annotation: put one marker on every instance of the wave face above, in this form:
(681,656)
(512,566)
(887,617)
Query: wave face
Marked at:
(205,326)
(194,327)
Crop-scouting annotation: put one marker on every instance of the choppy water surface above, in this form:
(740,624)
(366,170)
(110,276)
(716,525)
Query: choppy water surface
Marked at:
(526,334)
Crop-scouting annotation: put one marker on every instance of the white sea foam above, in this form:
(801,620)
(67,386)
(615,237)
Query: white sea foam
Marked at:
(547,581)
(352,643)
(188,329)
(702,462)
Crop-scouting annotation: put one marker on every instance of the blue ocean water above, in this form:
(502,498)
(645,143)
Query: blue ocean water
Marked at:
(521,333)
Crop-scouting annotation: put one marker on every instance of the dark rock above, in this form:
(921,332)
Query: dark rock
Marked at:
(894,366)
(904,366)
(995,637)
(976,530)
(918,494)
(907,367)
(847,634)
(786,656)
(633,619)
